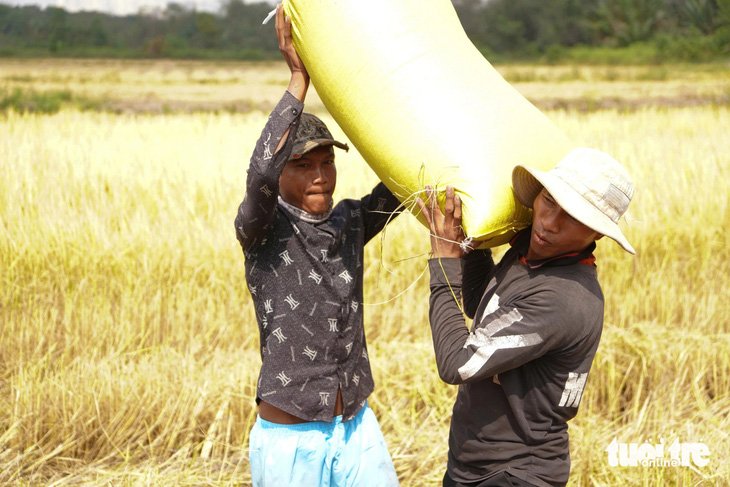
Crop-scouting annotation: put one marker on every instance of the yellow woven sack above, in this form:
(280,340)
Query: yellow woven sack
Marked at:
(422,105)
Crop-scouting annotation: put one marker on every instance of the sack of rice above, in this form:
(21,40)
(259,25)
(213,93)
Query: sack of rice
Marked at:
(423,106)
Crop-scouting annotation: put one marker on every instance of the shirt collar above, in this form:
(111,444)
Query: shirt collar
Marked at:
(521,243)
(306,216)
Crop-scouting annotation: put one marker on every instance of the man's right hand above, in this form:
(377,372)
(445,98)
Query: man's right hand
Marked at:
(446,230)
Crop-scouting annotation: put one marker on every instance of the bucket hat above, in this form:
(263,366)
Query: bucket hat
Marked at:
(313,133)
(590,185)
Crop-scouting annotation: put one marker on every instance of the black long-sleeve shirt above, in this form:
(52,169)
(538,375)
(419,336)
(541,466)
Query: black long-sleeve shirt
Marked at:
(522,367)
(305,275)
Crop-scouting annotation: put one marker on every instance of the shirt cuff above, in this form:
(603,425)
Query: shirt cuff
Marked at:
(445,271)
(289,107)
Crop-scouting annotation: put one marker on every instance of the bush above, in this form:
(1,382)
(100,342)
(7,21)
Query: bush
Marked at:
(721,41)
(637,53)
(31,101)
(555,54)
(694,47)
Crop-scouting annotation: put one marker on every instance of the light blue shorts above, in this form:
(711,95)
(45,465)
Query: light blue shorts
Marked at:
(321,454)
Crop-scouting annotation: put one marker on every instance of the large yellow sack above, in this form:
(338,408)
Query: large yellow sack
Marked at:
(423,106)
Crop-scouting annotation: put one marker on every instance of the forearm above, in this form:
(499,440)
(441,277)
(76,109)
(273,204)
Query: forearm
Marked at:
(299,80)
(262,182)
(381,206)
(298,86)
(448,326)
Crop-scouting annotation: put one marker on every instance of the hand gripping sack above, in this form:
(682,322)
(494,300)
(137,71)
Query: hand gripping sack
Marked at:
(422,105)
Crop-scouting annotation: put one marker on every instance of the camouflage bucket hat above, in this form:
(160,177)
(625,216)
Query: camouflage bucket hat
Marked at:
(313,133)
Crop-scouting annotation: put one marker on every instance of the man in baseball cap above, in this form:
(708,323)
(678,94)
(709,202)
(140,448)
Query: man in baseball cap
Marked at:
(538,317)
(304,271)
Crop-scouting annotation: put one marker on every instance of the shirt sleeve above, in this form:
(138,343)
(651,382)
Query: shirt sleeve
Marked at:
(379,207)
(506,336)
(478,266)
(257,210)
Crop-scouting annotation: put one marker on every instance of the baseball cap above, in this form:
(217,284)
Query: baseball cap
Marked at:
(313,133)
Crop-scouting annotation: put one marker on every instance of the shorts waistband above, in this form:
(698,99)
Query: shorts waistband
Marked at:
(309,425)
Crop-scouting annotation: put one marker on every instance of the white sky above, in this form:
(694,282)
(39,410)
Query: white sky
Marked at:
(119,7)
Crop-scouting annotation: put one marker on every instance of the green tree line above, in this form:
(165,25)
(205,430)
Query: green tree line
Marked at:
(672,29)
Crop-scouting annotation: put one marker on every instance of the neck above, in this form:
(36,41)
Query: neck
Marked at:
(305,215)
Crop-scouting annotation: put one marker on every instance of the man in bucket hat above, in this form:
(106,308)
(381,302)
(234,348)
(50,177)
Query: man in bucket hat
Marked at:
(538,317)
(304,270)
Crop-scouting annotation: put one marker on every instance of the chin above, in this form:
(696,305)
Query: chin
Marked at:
(319,206)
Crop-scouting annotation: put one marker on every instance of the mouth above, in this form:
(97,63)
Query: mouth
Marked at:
(316,202)
(540,238)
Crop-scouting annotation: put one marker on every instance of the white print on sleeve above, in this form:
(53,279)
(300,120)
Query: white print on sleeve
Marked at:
(265,189)
(487,344)
(267,149)
(573,390)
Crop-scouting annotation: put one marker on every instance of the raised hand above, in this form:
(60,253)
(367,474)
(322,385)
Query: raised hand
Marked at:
(447,233)
(299,77)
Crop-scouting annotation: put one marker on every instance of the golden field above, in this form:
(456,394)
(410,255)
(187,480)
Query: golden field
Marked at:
(128,344)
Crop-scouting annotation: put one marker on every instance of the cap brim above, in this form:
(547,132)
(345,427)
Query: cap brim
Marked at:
(527,184)
(300,149)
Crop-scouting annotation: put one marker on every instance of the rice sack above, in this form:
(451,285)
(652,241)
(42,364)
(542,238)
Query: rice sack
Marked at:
(422,105)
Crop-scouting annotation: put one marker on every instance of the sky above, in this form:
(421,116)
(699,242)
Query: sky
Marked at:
(118,7)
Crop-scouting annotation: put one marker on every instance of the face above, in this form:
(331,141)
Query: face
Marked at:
(308,182)
(555,232)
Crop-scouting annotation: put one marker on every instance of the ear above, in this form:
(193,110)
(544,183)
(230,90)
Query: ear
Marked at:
(599,237)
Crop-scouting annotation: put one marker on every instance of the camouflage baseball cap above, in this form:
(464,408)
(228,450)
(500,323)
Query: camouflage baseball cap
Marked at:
(313,133)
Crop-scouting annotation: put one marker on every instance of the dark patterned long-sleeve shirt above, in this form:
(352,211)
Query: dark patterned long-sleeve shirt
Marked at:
(522,367)
(305,275)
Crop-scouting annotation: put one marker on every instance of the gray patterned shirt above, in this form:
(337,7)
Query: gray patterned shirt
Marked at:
(305,276)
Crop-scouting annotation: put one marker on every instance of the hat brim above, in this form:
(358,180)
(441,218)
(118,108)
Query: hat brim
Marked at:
(302,148)
(527,184)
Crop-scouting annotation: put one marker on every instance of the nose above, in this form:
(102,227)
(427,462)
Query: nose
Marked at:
(551,221)
(320,175)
